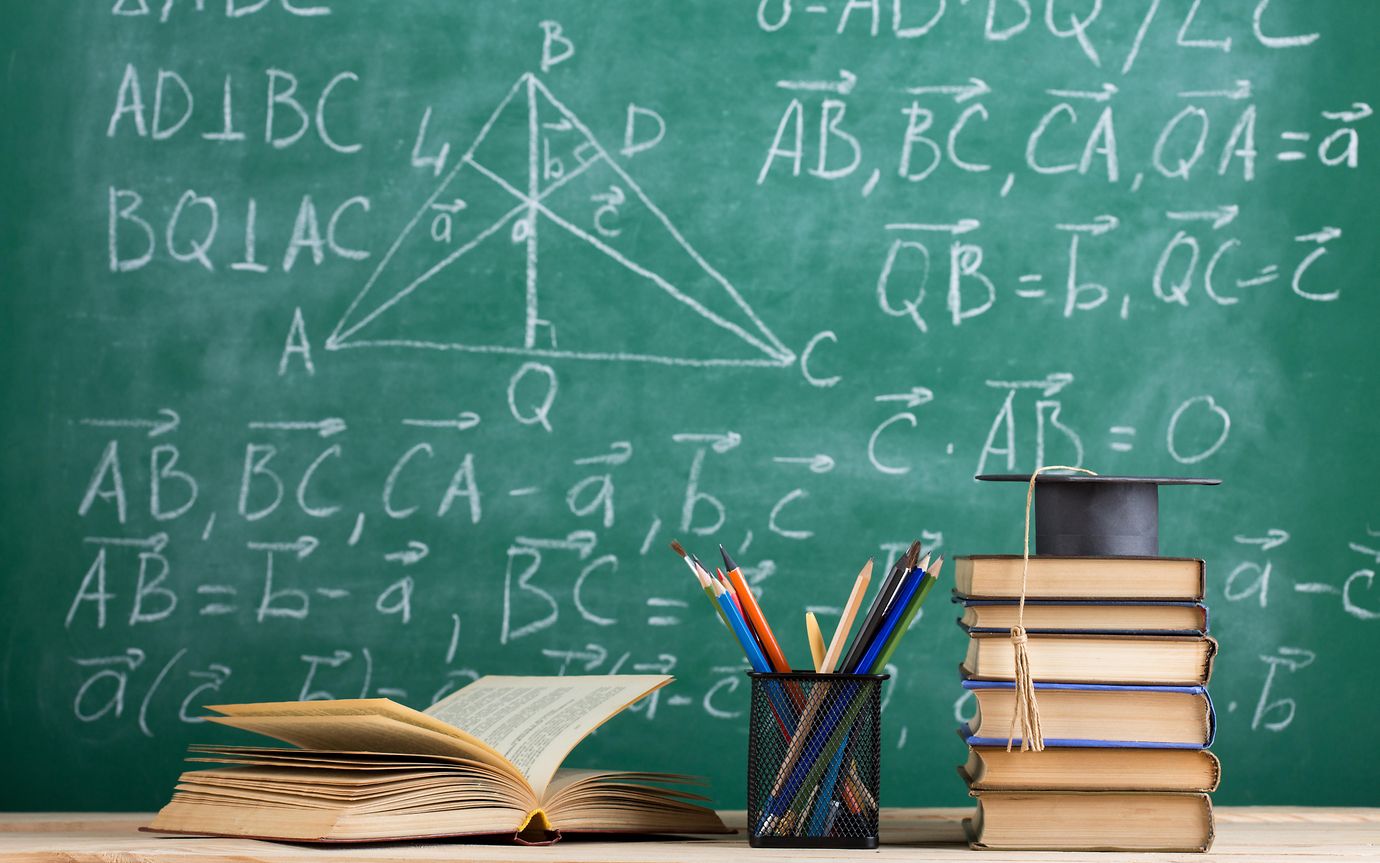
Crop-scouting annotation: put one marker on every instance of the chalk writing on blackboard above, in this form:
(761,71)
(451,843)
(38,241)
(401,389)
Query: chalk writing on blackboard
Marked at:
(516,179)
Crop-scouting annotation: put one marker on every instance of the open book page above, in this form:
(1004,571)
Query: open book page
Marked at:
(585,800)
(357,725)
(368,768)
(535,721)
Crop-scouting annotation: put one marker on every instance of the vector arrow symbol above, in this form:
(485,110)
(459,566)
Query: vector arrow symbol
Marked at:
(464,421)
(961,92)
(820,463)
(324,427)
(414,552)
(913,399)
(302,546)
(720,443)
(1220,217)
(1274,539)
(167,421)
(1050,385)
(843,86)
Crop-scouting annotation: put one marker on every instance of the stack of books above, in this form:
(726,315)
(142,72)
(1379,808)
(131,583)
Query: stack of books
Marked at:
(1120,655)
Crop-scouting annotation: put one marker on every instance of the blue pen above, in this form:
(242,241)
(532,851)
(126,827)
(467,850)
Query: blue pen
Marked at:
(893,617)
(758,660)
(755,657)
(826,791)
(833,816)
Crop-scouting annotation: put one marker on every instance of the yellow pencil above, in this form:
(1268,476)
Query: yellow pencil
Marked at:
(850,610)
(816,639)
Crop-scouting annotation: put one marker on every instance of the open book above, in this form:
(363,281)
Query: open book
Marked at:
(484,760)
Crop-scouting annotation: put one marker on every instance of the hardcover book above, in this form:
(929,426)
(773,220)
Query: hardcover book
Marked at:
(992,768)
(1097,715)
(1095,658)
(1090,821)
(998,576)
(1085,616)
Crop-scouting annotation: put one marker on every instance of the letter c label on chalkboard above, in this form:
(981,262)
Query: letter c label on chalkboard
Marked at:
(809,352)
(872,444)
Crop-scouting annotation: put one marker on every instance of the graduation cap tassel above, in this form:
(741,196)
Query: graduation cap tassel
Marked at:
(1027,712)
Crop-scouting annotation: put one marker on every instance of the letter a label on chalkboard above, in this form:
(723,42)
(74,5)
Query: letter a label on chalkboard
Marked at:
(539,243)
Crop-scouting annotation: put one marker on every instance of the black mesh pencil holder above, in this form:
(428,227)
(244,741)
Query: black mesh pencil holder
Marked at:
(814,760)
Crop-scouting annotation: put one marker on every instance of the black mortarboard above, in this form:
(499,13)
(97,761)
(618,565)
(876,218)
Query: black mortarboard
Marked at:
(1097,516)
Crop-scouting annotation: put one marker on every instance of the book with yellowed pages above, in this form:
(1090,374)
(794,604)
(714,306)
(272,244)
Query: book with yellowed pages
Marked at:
(1154,660)
(1097,715)
(998,576)
(485,760)
(993,768)
(1090,821)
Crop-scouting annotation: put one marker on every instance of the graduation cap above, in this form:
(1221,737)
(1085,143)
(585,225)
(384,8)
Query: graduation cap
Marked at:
(1077,515)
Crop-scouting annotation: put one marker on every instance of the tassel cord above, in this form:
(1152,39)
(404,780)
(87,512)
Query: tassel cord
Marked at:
(1026,715)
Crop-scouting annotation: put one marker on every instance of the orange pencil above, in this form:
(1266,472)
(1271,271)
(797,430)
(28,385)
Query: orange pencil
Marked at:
(753,612)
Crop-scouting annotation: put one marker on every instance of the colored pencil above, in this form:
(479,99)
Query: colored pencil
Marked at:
(700,576)
(833,816)
(850,610)
(931,576)
(753,612)
(699,564)
(816,639)
(733,595)
(817,698)
(805,773)
(909,590)
(880,604)
(826,792)
(784,713)
(739,627)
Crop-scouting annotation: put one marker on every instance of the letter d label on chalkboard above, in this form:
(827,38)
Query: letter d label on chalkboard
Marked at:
(651,119)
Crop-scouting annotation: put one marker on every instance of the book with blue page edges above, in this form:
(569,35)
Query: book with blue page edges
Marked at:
(1103,715)
(1084,616)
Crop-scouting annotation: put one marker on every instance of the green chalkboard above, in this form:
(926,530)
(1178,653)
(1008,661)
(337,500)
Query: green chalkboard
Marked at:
(362,347)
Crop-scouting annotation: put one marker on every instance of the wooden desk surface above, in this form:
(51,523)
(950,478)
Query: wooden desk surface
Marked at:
(1245,833)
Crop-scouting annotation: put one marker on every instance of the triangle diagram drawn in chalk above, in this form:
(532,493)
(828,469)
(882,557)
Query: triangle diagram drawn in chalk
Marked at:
(538,243)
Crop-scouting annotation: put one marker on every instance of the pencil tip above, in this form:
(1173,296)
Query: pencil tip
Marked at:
(728,561)
(677,548)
